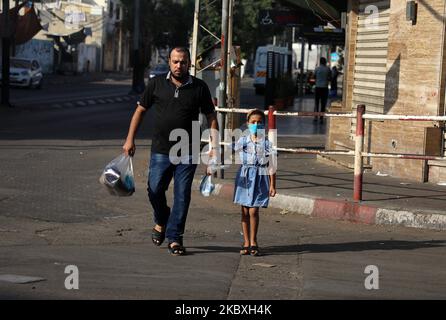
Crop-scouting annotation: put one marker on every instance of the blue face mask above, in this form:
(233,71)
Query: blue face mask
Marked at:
(254,127)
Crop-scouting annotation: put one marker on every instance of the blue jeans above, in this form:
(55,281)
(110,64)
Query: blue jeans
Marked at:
(161,172)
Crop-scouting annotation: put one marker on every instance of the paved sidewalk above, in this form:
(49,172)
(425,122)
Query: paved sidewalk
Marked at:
(308,186)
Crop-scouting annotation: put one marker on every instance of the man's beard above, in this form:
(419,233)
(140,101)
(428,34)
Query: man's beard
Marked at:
(182,78)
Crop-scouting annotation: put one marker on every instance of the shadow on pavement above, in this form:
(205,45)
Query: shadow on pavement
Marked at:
(328,247)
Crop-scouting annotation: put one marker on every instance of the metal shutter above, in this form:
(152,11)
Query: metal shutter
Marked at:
(371,58)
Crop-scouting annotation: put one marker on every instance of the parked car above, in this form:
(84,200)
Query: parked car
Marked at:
(25,73)
(158,69)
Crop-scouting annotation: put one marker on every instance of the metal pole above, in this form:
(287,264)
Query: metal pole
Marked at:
(224,50)
(120,68)
(302,62)
(193,69)
(230,75)
(6,44)
(359,143)
(136,64)
(223,73)
(272,133)
(228,53)
(221,124)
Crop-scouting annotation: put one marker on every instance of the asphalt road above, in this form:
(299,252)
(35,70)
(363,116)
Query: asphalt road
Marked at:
(54,214)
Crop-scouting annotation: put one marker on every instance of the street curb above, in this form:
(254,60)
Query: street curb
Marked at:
(342,210)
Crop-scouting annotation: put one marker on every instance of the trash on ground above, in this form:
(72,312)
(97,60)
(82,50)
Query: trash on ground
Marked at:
(381,174)
(265,265)
(19,279)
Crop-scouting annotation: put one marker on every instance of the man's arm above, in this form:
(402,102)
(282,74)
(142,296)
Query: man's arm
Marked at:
(129,145)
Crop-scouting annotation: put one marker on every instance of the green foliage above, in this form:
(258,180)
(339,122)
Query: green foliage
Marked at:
(167,23)
(164,23)
(246,30)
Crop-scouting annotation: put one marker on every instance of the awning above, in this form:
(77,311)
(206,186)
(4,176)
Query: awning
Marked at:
(314,16)
(28,26)
(59,29)
(324,11)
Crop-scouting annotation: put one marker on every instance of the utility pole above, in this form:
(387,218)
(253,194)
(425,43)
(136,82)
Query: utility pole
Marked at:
(137,86)
(302,66)
(223,75)
(193,69)
(6,44)
(228,52)
(224,54)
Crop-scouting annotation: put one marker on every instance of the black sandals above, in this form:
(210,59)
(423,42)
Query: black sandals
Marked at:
(176,249)
(254,251)
(244,251)
(158,237)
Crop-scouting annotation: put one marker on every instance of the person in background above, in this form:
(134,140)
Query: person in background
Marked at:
(334,82)
(322,75)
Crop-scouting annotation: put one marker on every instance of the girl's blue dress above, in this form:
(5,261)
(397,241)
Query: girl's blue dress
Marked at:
(252,180)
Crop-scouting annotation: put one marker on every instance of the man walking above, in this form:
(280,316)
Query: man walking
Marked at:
(322,75)
(176,98)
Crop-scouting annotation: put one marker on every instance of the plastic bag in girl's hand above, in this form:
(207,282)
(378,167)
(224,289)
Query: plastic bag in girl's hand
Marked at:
(118,177)
(206,186)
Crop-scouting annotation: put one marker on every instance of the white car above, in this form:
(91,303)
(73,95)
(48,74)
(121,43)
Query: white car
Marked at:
(158,69)
(25,73)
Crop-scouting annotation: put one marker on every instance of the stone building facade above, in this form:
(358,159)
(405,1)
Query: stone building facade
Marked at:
(395,65)
(83,36)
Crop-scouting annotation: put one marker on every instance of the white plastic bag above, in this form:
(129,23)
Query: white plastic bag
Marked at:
(118,176)
(206,185)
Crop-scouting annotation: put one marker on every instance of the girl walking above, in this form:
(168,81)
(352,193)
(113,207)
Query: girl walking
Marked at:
(256,179)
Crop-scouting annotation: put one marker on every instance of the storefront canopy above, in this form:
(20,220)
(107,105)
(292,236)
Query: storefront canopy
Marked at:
(324,11)
(319,14)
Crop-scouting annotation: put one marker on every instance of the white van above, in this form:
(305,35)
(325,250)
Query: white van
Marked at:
(260,65)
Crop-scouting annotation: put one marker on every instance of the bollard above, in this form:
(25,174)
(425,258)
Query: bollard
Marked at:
(221,124)
(272,133)
(359,144)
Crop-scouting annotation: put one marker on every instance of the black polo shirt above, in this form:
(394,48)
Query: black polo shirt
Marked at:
(175,108)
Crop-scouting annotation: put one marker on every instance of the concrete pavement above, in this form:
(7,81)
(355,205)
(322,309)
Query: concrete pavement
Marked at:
(54,214)
(313,188)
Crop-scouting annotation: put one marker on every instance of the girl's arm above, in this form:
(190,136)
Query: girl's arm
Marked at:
(272,185)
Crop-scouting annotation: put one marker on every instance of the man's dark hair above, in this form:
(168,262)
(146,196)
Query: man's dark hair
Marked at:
(323,61)
(181,49)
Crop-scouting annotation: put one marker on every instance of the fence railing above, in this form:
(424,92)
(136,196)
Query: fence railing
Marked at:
(358,152)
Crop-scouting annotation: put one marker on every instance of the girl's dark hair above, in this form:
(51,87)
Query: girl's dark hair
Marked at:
(256,112)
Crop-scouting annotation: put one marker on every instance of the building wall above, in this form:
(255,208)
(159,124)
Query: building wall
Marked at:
(117,42)
(414,83)
(95,16)
(414,64)
(41,50)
